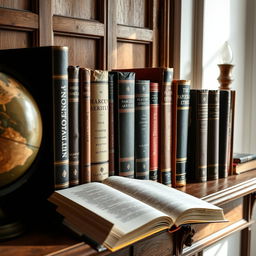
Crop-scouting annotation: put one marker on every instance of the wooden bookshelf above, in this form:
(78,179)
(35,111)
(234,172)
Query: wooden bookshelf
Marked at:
(236,194)
(100,34)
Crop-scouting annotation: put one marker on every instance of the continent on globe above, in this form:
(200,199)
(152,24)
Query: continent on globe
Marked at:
(20,130)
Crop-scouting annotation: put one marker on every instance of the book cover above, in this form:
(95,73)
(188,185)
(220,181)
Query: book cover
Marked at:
(99,125)
(198,126)
(154,131)
(124,91)
(164,77)
(243,157)
(111,115)
(224,126)
(213,135)
(244,167)
(180,117)
(85,124)
(43,72)
(73,101)
(142,104)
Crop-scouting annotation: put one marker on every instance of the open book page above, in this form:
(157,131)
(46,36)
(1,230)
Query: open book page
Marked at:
(171,201)
(125,212)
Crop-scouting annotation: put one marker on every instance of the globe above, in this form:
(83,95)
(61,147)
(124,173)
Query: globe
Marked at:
(20,130)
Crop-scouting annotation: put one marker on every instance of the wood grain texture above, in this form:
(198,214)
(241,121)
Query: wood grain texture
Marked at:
(45,23)
(76,26)
(83,9)
(132,13)
(131,55)
(82,51)
(15,39)
(16,4)
(18,19)
(134,33)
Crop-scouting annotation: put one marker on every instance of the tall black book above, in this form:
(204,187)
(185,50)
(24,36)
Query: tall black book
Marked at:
(43,72)
(180,118)
(198,126)
(142,125)
(73,106)
(213,135)
(224,126)
(124,96)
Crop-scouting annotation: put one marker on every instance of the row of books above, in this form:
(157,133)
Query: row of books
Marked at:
(141,123)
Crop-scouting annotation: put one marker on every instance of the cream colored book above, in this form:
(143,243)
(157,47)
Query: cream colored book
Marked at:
(121,211)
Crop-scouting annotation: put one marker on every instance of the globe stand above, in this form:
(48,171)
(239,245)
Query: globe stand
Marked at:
(10,226)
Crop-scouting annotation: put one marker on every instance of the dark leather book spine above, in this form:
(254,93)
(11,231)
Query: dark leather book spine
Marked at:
(201,135)
(60,117)
(181,96)
(165,127)
(197,153)
(225,99)
(73,101)
(85,124)
(154,131)
(125,124)
(111,124)
(142,104)
(213,135)
(99,125)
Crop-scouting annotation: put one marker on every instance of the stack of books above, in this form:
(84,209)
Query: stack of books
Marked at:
(243,162)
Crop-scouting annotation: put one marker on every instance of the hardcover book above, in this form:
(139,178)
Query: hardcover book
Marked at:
(111,126)
(99,125)
(197,144)
(164,77)
(180,118)
(239,168)
(73,101)
(142,88)
(243,157)
(154,131)
(85,124)
(121,211)
(124,96)
(224,133)
(213,135)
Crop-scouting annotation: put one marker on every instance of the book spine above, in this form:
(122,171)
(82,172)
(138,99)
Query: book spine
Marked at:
(231,131)
(85,124)
(111,124)
(165,127)
(154,131)
(73,101)
(142,89)
(181,96)
(225,99)
(213,135)
(99,125)
(126,102)
(60,117)
(197,152)
(201,135)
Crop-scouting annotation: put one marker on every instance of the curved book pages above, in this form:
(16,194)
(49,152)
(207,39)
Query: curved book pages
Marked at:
(121,211)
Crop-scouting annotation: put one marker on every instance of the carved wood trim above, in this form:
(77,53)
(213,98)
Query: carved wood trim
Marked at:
(199,245)
(78,26)
(231,193)
(18,19)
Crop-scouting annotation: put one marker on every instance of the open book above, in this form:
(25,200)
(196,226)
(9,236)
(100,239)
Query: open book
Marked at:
(121,211)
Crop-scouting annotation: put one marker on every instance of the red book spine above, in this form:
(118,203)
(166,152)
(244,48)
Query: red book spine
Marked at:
(154,130)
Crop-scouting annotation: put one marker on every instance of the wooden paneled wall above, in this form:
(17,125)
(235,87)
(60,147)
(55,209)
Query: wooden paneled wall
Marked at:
(102,34)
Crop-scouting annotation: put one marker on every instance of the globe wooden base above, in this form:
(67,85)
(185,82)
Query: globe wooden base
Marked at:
(9,226)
